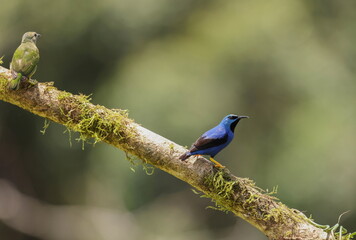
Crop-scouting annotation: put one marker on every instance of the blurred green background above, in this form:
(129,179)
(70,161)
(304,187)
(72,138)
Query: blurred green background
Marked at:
(179,67)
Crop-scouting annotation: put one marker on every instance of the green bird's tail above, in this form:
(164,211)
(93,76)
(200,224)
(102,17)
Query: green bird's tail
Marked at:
(15,83)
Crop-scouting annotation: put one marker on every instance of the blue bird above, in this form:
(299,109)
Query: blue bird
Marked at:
(214,140)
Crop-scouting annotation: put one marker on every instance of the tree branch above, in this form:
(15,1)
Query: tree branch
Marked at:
(238,195)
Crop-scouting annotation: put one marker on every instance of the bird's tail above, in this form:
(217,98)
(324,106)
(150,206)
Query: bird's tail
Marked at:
(185,156)
(15,83)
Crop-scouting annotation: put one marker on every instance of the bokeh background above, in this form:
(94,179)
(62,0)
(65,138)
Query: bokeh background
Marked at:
(179,67)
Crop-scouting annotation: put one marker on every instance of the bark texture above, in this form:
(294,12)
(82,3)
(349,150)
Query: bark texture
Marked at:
(238,195)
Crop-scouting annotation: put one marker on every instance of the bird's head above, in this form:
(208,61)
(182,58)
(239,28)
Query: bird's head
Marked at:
(30,37)
(231,121)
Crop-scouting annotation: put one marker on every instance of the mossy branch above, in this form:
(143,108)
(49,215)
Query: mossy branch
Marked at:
(230,193)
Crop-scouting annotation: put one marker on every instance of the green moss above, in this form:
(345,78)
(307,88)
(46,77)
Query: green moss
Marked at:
(95,123)
(223,187)
(45,126)
(149,170)
(69,135)
(63,95)
(222,191)
(91,121)
(3,82)
(135,161)
(240,194)
(337,231)
(273,192)
(171,148)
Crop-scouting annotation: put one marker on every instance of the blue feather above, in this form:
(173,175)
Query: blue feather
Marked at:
(215,139)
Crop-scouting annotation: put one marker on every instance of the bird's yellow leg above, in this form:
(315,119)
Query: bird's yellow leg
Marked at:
(217,164)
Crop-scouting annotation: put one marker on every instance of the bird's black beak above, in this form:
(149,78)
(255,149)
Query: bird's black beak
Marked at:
(240,117)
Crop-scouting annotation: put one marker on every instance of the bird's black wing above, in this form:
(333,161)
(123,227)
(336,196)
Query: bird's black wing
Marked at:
(205,142)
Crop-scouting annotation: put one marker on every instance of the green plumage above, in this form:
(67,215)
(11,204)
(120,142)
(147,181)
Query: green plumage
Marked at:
(25,59)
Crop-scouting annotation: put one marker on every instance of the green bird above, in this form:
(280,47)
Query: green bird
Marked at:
(25,59)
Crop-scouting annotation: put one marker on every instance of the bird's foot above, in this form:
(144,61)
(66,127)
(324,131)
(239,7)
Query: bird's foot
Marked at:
(30,82)
(217,164)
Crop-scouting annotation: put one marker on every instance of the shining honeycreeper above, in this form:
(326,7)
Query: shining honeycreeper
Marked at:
(25,59)
(214,140)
